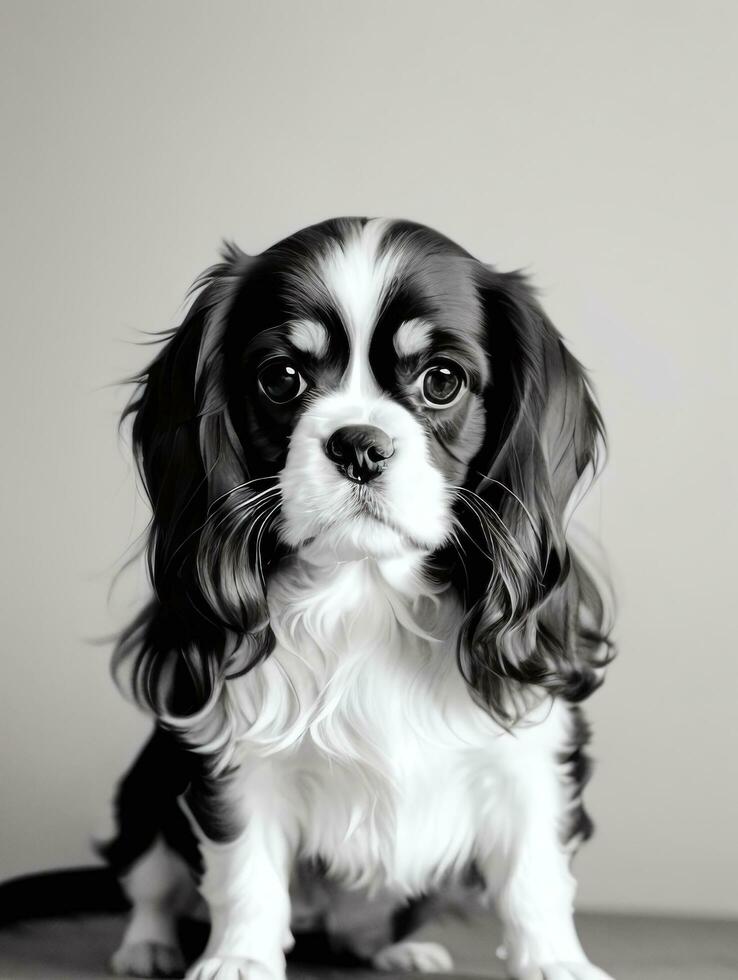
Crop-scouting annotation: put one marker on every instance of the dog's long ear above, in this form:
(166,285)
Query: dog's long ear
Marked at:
(193,468)
(535,615)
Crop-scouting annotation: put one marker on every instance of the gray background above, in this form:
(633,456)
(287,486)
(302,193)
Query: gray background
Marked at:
(593,143)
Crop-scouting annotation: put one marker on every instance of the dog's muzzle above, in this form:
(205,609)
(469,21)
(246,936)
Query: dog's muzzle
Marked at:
(360,452)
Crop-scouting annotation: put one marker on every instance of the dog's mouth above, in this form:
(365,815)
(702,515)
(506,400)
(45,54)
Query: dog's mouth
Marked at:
(366,514)
(368,503)
(385,521)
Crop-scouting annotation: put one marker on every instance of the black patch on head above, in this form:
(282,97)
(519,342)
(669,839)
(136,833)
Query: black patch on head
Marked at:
(282,287)
(434,283)
(403,302)
(419,240)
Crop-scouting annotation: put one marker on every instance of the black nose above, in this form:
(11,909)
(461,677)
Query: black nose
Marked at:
(359,451)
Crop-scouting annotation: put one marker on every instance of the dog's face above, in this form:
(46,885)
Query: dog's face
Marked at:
(361,383)
(365,389)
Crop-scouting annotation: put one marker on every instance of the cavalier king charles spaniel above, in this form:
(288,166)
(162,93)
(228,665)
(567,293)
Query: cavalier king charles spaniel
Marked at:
(368,633)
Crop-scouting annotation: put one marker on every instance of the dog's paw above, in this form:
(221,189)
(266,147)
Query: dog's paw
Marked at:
(230,968)
(563,971)
(413,957)
(147,959)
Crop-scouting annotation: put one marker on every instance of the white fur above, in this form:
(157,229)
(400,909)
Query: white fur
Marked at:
(358,277)
(412,337)
(160,888)
(309,336)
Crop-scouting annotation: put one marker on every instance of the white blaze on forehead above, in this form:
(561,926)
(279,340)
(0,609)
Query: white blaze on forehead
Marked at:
(309,336)
(358,278)
(412,337)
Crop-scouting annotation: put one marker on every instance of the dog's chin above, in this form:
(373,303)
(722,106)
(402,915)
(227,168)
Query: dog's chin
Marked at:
(361,537)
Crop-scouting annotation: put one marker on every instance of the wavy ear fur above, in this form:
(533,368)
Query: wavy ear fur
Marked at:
(209,595)
(535,615)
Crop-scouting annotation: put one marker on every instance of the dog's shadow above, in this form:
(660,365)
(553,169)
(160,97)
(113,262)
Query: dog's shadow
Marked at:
(311,949)
(313,957)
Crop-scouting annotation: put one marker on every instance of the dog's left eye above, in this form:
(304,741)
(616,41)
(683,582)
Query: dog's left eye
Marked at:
(281,382)
(442,385)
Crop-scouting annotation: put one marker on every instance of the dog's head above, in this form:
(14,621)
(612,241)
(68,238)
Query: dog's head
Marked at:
(365,388)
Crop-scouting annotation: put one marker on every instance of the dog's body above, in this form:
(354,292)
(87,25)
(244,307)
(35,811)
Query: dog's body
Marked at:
(378,688)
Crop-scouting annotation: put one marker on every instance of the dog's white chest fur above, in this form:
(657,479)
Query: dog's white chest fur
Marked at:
(361,723)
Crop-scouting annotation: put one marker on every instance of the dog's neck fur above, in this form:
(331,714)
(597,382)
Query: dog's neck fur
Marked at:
(344,604)
(353,642)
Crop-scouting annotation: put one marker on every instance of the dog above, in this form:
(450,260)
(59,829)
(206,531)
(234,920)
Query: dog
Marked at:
(369,634)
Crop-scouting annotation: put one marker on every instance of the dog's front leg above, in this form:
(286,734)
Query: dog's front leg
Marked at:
(527,873)
(246,885)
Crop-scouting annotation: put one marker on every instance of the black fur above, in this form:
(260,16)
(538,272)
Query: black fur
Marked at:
(535,616)
(146,805)
(578,764)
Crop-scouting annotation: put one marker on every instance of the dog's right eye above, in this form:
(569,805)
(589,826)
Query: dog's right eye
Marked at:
(281,382)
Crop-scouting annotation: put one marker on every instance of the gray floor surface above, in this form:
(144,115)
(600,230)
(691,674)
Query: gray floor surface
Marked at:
(629,947)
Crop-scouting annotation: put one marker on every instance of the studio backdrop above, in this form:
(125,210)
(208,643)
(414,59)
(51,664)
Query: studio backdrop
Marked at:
(591,145)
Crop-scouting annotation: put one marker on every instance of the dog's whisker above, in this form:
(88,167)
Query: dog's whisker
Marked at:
(504,486)
(211,516)
(238,512)
(241,486)
(481,506)
(265,521)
